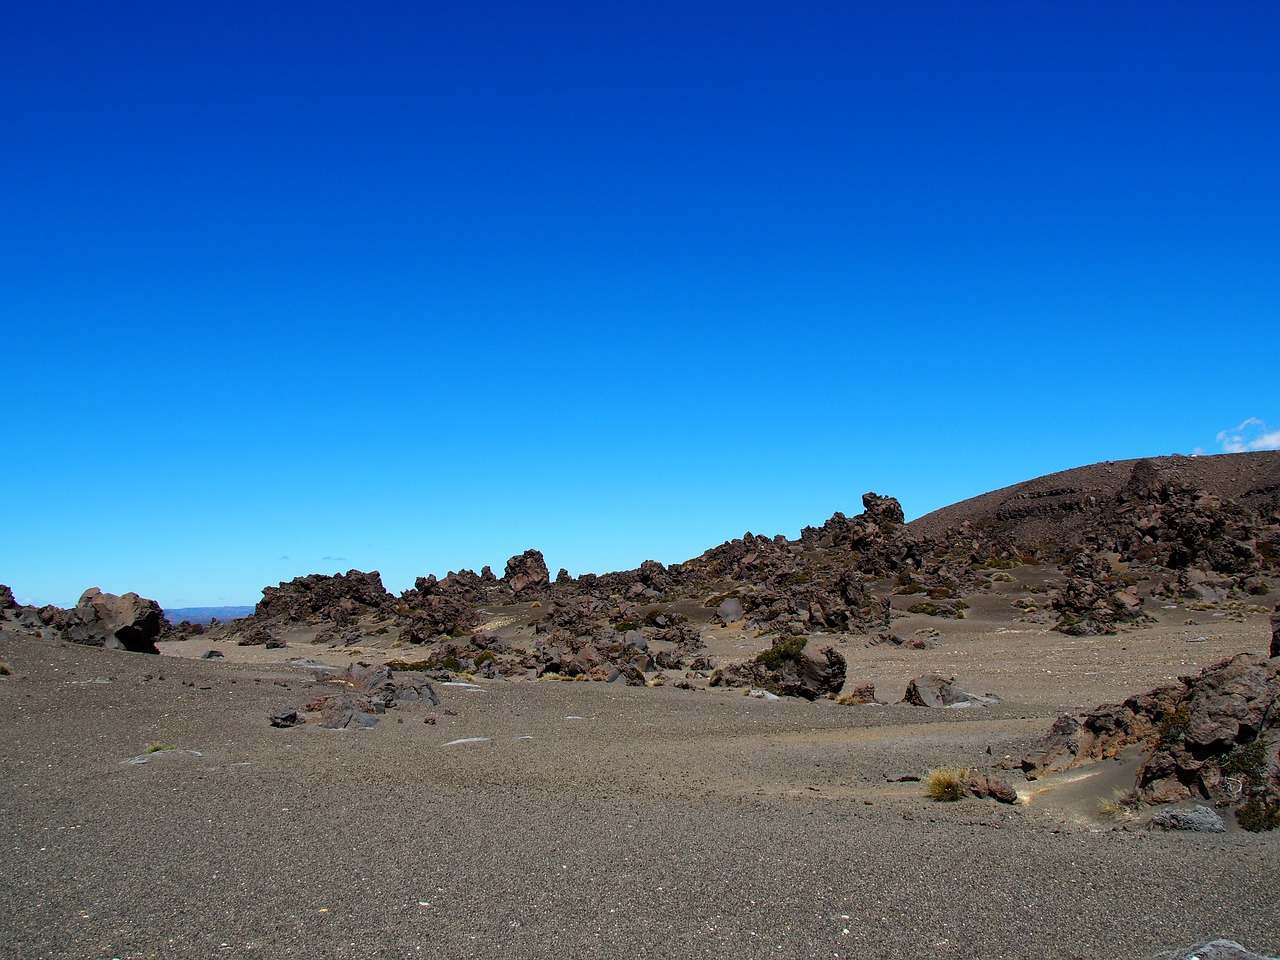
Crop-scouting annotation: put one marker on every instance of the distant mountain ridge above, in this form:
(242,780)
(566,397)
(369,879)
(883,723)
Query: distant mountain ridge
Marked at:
(203,615)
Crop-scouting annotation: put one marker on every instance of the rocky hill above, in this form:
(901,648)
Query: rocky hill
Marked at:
(1106,539)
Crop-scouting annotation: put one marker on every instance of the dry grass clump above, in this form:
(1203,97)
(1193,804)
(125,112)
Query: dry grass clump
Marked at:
(1124,804)
(945,784)
(5,670)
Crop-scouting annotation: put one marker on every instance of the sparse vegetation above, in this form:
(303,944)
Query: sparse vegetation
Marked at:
(1258,814)
(158,747)
(1123,803)
(1173,726)
(784,650)
(5,670)
(1247,760)
(995,563)
(945,784)
(951,608)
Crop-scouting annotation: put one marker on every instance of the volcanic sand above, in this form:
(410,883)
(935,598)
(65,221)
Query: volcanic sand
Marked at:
(586,820)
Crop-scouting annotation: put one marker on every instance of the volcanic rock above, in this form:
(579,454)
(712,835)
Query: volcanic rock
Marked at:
(1212,950)
(127,622)
(1201,819)
(1275,633)
(527,576)
(788,669)
(317,598)
(933,690)
(7,601)
(1205,735)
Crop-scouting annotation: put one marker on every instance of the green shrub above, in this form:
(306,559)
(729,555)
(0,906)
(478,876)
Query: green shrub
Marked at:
(1247,760)
(784,650)
(1257,814)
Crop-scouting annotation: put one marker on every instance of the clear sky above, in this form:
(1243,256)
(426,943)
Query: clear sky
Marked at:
(291,288)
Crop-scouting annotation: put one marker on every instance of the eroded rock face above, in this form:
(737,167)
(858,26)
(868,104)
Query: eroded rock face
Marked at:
(127,622)
(527,575)
(1209,736)
(7,601)
(315,598)
(1092,601)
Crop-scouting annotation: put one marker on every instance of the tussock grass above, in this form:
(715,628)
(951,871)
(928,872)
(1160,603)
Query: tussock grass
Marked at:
(945,784)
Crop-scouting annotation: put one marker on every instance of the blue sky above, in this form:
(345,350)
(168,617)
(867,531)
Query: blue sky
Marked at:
(298,287)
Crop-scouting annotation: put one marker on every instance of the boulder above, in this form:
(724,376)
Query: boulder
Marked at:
(934,690)
(1275,633)
(986,786)
(527,576)
(1201,819)
(127,622)
(7,600)
(1207,737)
(286,717)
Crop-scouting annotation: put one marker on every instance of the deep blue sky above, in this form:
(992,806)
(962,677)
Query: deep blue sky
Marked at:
(297,287)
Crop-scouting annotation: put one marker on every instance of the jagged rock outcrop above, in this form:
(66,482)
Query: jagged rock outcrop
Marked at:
(527,576)
(318,598)
(127,622)
(1092,600)
(1209,736)
(441,607)
(7,600)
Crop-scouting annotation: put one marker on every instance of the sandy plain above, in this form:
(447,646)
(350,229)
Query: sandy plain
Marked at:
(560,819)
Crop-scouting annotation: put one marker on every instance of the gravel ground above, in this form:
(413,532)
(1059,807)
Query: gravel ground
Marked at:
(594,820)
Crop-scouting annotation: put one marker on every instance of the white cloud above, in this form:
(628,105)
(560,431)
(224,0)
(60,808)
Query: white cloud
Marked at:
(1250,435)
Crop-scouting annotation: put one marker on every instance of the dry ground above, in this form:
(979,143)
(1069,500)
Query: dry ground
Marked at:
(593,820)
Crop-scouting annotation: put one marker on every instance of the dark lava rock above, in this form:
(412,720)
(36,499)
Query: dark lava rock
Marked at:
(883,510)
(211,655)
(1091,601)
(316,598)
(7,600)
(381,688)
(1275,632)
(127,622)
(863,693)
(788,670)
(286,717)
(1206,735)
(342,712)
(985,786)
(934,690)
(527,576)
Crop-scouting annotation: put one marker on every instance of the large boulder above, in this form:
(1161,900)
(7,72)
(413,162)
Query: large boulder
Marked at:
(127,622)
(527,576)
(934,690)
(788,669)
